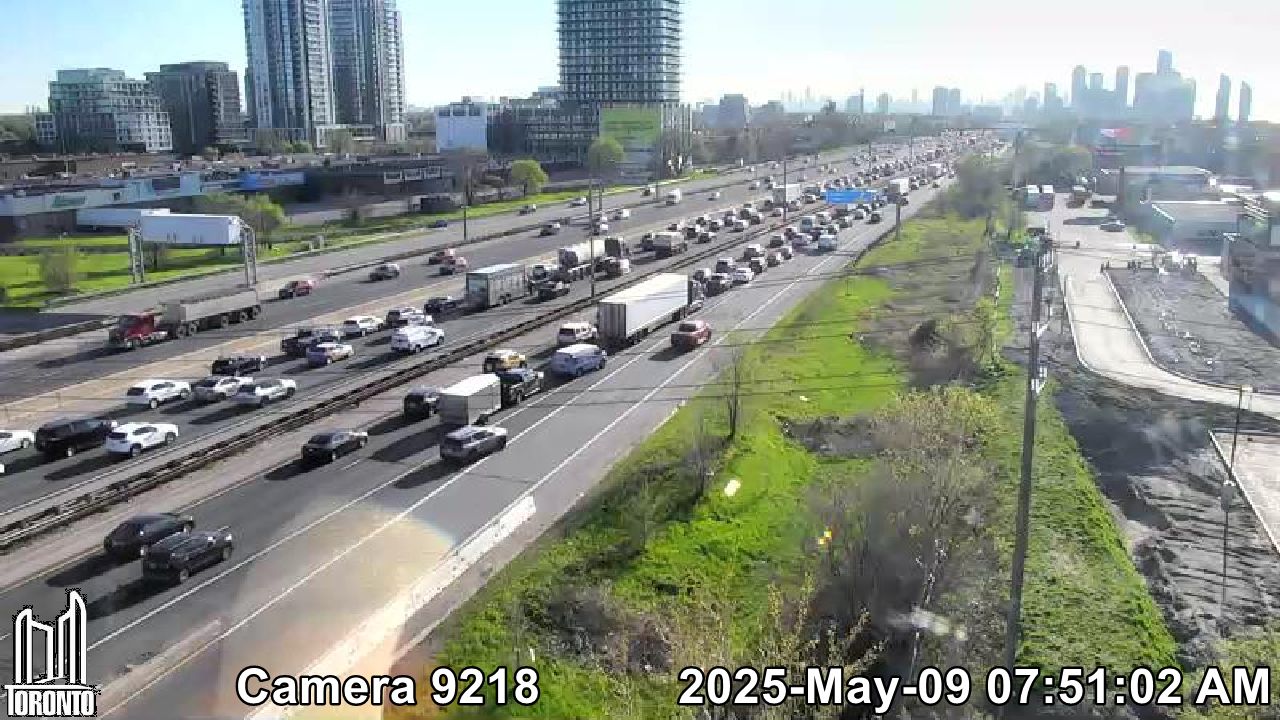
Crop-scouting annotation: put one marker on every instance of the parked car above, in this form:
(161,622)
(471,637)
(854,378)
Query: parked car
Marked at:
(130,439)
(472,442)
(440,256)
(238,365)
(328,353)
(552,289)
(154,393)
(173,559)
(297,288)
(518,384)
(690,334)
(572,333)
(216,388)
(503,359)
(743,275)
(67,436)
(261,392)
(14,440)
(415,338)
(385,271)
(576,360)
(131,538)
(404,316)
(421,402)
(441,305)
(330,445)
(361,325)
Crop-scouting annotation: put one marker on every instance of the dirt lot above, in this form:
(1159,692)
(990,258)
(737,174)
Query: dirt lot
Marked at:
(1186,324)
(1153,460)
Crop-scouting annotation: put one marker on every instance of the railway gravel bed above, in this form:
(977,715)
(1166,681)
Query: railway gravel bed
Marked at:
(1186,324)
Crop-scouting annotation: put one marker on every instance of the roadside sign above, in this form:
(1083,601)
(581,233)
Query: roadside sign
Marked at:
(844,197)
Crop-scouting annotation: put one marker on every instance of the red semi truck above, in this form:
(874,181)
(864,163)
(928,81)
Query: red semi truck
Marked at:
(180,318)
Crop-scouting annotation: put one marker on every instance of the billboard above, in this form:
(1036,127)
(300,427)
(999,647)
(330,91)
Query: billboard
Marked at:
(635,127)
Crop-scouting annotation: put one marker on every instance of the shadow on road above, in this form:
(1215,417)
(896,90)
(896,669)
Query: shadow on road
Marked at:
(1084,220)
(82,356)
(122,598)
(90,464)
(409,445)
(387,425)
(428,474)
(286,471)
(223,413)
(85,569)
(666,354)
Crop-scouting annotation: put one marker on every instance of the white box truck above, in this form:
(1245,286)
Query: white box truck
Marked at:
(495,285)
(175,229)
(783,194)
(674,197)
(667,243)
(470,401)
(898,188)
(626,316)
(114,217)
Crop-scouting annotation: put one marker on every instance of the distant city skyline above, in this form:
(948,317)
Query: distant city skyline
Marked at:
(980,56)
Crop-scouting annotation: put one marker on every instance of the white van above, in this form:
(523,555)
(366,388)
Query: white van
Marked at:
(577,360)
(575,333)
(414,338)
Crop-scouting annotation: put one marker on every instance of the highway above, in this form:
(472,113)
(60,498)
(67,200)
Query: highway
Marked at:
(61,363)
(31,482)
(302,576)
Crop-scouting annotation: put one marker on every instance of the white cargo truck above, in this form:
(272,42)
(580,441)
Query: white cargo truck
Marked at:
(200,230)
(934,170)
(626,316)
(470,401)
(898,188)
(576,260)
(667,243)
(114,217)
(495,285)
(674,197)
(783,194)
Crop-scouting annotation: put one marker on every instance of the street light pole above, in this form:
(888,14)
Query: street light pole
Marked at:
(464,223)
(1228,494)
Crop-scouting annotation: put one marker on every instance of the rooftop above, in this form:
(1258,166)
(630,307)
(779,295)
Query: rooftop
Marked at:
(1214,211)
(1166,170)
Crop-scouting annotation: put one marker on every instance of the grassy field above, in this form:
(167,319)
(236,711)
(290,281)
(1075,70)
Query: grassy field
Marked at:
(648,551)
(20,275)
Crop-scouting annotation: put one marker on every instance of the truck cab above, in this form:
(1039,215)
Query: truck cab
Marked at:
(136,330)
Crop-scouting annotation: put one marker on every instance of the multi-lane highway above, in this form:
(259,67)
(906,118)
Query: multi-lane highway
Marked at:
(31,480)
(60,363)
(317,550)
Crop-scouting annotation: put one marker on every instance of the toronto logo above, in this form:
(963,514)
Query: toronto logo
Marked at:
(49,676)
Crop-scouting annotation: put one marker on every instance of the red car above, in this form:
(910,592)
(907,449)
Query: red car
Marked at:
(690,334)
(297,288)
(440,256)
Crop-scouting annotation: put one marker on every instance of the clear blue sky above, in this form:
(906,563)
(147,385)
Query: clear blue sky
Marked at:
(757,47)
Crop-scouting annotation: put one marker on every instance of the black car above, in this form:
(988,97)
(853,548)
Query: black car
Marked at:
(518,384)
(441,305)
(67,436)
(421,402)
(553,289)
(174,558)
(238,365)
(132,537)
(329,446)
(296,345)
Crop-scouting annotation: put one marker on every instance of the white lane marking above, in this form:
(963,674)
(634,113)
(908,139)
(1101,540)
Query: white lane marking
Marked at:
(411,508)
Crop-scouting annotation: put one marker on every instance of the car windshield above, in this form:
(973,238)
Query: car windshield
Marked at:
(321,439)
(688,327)
(136,391)
(208,382)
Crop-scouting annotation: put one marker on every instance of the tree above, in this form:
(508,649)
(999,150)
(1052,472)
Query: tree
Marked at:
(60,268)
(340,141)
(467,166)
(301,147)
(529,175)
(604,156)
(259,212)
(737,378)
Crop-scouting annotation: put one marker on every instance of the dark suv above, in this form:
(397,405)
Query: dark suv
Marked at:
(132,537)
(239,365)
(68,436)
(421,402)
(518,384)
(174,558)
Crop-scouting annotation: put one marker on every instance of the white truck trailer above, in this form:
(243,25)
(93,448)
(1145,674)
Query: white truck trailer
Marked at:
(471,400)
(108,217)
(626,316)
(495,285)
(674,197)
(783,194)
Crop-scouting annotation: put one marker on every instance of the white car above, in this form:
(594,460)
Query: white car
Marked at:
(578,202)
(743,275)
(416,337)
(361,325)
(130,439)
(572,333)
(713,195)
(11,440)
(219,387)
(326,353)
(262,392)
(621,214)
(153,393)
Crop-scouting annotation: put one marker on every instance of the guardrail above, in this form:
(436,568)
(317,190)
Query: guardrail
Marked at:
(89,503)
(55,333)
(50,518)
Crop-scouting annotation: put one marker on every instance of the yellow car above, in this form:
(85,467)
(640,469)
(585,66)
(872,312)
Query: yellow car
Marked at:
(500,360)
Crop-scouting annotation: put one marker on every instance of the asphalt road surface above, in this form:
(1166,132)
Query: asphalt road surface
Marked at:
(318,550)
(61,363)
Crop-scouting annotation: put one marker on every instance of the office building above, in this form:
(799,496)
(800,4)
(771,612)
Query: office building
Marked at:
(1078,86)
(1164,62)
(946,101)
(953,101)
(882,103)
(102,110)
(1164,96)
(1222,102)
(853,105)
(733,113)
(1246,102)
(288,80)
(1095,81)
(368,65)
(1122,88)
(463,126)
(203,102)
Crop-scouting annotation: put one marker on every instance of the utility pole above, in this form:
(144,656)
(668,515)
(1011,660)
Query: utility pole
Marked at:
(897,221)
(464,223)
(1013,212)
(1035,383)
(1227,495)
